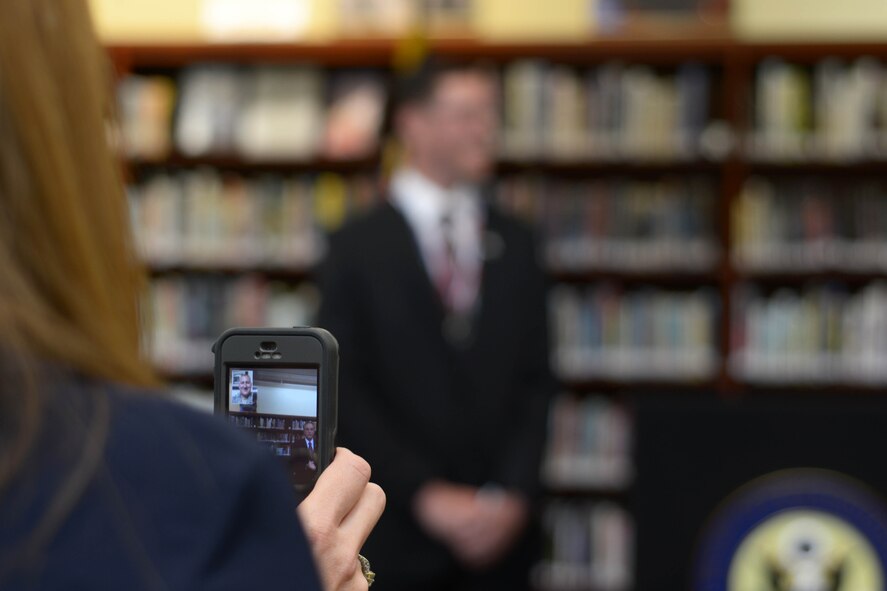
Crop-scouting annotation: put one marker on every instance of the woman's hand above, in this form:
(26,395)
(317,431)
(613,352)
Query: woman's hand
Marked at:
(338,516)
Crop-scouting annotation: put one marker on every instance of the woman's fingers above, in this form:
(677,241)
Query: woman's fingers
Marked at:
(339,487)
(358,583)
(360,522)
(338,516)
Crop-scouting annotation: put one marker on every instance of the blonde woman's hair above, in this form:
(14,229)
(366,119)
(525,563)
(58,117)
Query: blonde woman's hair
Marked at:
(69,278)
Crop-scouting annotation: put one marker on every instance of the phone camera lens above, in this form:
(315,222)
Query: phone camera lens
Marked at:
(257,354)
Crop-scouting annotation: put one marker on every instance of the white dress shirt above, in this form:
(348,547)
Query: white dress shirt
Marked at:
(425,205)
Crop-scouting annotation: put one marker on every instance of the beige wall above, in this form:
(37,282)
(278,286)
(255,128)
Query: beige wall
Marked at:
(198,20)
(851,20)
(191,20)
(561,20)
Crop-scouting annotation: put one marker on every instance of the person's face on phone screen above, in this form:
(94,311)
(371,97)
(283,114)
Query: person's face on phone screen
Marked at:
(245,385)
(309,430)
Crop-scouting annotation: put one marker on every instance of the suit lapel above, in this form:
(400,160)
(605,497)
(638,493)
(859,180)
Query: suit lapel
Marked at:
(407,264)
(494,281)
(408,269)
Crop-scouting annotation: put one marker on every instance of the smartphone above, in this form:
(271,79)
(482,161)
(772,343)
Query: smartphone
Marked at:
(281,386)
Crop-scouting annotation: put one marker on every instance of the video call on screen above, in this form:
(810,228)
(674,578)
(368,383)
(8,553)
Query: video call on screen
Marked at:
(279,405)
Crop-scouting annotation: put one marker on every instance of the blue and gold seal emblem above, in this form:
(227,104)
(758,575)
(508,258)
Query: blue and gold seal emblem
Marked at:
(796,530)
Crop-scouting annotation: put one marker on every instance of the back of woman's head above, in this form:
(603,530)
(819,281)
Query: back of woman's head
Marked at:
(69,281)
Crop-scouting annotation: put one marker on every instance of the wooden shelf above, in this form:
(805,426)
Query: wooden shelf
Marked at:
(505,165)
(676,279)
(818,167)
(588,166)
(238,163)
(810,52)
(673,279)
(379,52)
(624,387)
(801,278)
(295,274)
(807,390)
(357,53)
(594,492)
(662,49)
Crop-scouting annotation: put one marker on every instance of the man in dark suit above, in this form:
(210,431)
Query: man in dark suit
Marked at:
(304,455)
(438,304)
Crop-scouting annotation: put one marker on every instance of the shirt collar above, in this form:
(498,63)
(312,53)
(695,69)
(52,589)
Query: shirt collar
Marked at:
(424,202)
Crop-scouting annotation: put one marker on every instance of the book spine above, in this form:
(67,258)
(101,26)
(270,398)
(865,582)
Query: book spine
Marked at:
(817,335)
(811,225)
(588,546)
(644,334)
(635,226)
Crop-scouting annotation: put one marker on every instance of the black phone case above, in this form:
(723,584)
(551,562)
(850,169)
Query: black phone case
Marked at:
(328,388)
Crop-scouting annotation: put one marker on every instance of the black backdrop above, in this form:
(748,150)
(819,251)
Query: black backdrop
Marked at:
(692,452)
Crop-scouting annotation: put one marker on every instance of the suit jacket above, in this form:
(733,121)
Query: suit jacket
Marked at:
(415,404)
(177,500)
(302,454)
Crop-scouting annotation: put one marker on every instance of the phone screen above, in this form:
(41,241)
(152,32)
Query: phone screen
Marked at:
(279,406)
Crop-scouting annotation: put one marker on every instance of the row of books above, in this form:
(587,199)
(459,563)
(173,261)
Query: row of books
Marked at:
(588,445)
(633,225)
(258,422)
(614,111)
(254,421)
(262,113)
(810,225)
(275,437)
(833,111)
(606,333)
(588,545)
(280,450)
(820,334)
(188,313)
(204,218)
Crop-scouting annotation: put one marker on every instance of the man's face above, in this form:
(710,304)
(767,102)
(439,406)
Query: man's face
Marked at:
(457,127)
(309,430)
(246,385)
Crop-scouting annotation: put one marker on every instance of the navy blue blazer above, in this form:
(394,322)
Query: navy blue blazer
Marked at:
(175,500)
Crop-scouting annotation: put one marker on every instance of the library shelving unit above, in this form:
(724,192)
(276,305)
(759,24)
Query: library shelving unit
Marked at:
(281,431)
(283,435)
(735,71)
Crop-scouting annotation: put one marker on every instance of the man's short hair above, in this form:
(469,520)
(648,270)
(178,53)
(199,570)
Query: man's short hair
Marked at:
(418,85)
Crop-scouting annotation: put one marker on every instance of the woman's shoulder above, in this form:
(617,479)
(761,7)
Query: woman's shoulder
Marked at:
(156,422)
(203,459)
(179,492)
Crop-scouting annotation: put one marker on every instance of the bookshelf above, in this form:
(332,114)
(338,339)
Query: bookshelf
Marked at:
(551,188)
(283,435)
(235,163)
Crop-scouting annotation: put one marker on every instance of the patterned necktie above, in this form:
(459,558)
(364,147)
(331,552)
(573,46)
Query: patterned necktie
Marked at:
(447,274)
